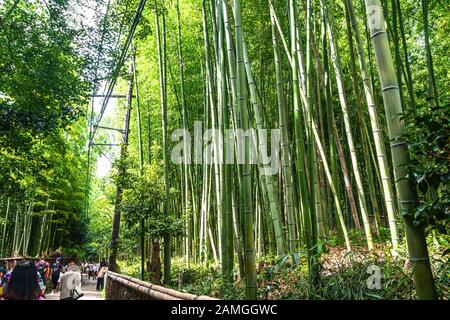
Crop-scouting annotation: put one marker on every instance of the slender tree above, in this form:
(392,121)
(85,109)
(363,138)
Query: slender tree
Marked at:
(161,44)
(121,175)
(249,242)
(376,130)
(415,235)
(348,130)
(432,89)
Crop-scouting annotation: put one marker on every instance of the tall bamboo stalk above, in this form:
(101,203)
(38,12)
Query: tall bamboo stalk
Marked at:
(122,170)
(376,130)
(415,235)
(348,130)
(161,44)
(186,147)
(433,97)
(301,152)
(141,165)
(409,81)
(286,157)
(267,180)
(249,243)
(312,161)
(226,196)
(5,225)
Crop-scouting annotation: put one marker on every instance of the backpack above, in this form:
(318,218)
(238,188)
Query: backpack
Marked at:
(56,268)
(41,268)
(74,295)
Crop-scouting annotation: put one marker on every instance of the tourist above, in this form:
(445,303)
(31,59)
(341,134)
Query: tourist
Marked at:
(41,283)
(43,267)
(5,280)
(101,276)
(3,273)
(72,266)
(70,283)
(3,270)
(89,270)
(56,272)
(23,283)
(94,271)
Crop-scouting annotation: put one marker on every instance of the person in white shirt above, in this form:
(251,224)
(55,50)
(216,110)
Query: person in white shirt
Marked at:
(101,276)
(70,283)
(94,271)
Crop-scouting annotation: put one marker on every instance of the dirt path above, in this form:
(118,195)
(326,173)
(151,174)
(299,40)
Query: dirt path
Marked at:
(87,287)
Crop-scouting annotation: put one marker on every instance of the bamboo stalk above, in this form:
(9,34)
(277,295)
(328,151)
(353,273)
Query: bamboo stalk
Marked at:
(417,246)
(348,130)
(5,225)
(376,130)
(249,252)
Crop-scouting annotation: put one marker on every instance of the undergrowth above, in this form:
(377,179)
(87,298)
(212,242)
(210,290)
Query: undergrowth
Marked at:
(343,276)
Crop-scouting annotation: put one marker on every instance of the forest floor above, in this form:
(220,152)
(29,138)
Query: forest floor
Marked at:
(347,276)
(343,276)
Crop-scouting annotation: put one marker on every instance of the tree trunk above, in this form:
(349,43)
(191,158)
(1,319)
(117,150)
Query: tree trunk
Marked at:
(415,235)
(119,188)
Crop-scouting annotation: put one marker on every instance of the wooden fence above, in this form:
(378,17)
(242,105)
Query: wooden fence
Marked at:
(121,287)
(10,263)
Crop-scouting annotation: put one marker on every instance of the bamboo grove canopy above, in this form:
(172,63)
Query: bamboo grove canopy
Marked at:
(226,134)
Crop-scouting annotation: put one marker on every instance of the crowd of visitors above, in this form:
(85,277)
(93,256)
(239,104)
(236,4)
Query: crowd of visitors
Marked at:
(95,271)
(29,281)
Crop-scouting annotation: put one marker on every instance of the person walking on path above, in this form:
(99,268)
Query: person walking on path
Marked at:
(89,270)
(70,282)
(3,270)
(43,267)
(94,271)
(56,272)
(72,266)
(101,276)
(3,273)
(24,283)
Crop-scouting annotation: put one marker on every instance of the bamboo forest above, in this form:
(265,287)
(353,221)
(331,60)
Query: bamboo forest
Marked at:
(231,149)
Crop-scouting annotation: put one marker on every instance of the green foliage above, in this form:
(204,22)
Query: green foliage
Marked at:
(202,280)
(41,71)
(49,66)
(144,200)
(344,277)
(42,93)
(100,220)
(129,267)
(428,132)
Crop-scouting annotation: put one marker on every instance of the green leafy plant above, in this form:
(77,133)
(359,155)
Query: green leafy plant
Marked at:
(429,141)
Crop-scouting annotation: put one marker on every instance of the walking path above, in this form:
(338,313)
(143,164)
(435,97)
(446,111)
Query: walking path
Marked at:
(87,287)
